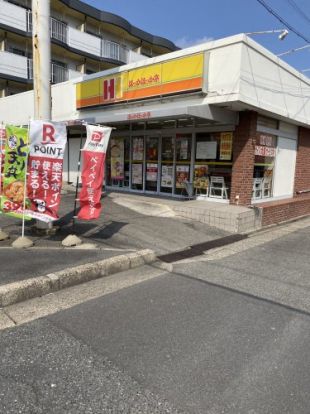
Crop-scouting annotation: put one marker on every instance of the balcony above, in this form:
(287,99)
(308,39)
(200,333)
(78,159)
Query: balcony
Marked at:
(13,65)
(84,41)
(20,18)
(13,16)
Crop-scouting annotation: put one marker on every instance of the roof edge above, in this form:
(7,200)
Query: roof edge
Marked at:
(116,20)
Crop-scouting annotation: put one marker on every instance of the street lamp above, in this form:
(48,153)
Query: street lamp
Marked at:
(293,50)
(282,35)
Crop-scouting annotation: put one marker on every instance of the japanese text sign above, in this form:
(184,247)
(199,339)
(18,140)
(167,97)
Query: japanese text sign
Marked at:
(48,141)
(14,170)
(94,153)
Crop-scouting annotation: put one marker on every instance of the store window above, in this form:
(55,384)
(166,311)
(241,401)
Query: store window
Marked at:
(151,173)
(167,160)
(137,154)
(183,161)
(264,163)
(213,164)
(118,162)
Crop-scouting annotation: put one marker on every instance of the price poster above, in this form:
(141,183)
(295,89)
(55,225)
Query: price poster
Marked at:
(226,146)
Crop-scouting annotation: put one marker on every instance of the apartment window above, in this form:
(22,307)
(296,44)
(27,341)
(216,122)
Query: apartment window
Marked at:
(58,30)
(59,72)
(111,50)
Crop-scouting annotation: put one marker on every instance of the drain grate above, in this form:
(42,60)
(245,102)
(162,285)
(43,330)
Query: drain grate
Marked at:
(198,249)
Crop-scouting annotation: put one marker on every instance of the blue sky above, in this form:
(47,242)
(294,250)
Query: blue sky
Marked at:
(190,22)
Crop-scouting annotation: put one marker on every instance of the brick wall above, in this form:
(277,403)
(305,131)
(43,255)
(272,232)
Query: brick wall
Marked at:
(278,211)
(243,158)
(302,172)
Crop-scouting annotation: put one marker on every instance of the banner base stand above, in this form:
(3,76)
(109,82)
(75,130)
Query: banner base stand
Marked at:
(3,235)
(22,243)
(71,240)
(45,231)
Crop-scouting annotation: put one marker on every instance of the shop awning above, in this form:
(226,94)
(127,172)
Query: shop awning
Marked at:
(211,113)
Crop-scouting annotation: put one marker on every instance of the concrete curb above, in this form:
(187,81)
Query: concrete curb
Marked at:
(42,285)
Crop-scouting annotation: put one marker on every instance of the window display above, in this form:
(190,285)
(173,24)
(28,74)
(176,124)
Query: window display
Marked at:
(265,152)
(118,162)
(213,164)
(182,174)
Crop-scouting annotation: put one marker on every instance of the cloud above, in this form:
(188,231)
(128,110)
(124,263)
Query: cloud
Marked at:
(185,41)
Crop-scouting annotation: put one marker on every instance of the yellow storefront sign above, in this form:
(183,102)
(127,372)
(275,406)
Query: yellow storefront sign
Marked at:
(173,76)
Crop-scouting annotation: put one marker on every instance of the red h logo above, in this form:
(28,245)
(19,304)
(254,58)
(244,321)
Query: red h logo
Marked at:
(109,89)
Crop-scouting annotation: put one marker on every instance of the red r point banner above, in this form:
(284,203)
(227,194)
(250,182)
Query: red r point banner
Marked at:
(94,153)
(47,146)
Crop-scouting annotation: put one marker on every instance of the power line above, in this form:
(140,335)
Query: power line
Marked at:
(298,10)
(286,24)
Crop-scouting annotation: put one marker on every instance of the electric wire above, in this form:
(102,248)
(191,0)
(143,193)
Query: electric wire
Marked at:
(284,22)
(295,6)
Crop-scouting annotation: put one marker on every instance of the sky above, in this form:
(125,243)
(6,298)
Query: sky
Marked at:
(189,22)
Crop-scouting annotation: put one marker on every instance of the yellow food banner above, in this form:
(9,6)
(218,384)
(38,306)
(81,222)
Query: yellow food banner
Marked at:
(168,77)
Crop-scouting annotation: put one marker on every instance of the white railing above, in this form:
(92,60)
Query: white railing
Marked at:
(84,41)
(135,57)
(13,65)
(13,16)
(72,74)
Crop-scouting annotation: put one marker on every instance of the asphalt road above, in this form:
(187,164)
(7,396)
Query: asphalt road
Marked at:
(175,343)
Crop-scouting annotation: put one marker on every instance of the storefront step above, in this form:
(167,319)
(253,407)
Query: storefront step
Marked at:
(231,218)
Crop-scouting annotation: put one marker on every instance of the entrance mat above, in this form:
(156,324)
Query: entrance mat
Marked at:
(200,248)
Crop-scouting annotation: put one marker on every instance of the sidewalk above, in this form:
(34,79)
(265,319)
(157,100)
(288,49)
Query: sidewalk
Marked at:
(127,225)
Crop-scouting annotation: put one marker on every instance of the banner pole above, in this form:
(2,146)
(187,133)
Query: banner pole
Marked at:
(77,183)
(25,184)
(3,234)
(1,150)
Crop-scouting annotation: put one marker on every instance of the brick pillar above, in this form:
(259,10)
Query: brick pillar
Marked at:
(302,170)
(243,159)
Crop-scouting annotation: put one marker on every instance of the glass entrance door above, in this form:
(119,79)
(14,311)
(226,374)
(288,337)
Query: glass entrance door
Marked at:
(167,164)
(151,163)
(137,156)
(183,161)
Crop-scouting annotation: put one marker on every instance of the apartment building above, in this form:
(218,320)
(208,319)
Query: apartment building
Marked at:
(84,40)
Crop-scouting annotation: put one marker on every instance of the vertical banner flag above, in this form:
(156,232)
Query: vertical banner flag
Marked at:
(47,146)
(94,153)
(2,146)
(14,170)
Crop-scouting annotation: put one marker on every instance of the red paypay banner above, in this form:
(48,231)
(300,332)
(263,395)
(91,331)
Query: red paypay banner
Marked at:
(94,153)
(47,147)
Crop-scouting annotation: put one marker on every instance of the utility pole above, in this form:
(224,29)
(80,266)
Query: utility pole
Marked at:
(41,46)
(41,49)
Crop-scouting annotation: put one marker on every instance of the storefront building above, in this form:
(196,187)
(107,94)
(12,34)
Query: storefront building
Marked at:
(226,121)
